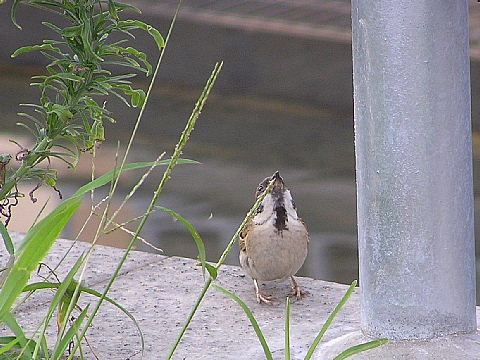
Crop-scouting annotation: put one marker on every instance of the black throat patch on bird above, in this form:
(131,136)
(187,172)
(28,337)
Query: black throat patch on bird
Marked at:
(281,217)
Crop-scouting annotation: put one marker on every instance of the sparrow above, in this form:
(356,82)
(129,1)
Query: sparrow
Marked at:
(274,243)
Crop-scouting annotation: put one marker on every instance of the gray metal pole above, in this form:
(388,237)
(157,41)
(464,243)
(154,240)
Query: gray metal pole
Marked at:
(414,167)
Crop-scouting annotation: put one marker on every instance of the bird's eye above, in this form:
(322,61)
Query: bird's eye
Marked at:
(260,188)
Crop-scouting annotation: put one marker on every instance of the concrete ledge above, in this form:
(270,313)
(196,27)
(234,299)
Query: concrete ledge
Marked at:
(160,292)
(448,347)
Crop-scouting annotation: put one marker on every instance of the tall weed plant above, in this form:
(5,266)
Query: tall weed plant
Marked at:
(68,119)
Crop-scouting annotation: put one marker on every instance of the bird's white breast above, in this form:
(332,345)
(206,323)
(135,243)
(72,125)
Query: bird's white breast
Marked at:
(270,254)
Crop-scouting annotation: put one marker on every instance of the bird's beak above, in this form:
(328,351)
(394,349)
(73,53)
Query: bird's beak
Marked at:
(278,183)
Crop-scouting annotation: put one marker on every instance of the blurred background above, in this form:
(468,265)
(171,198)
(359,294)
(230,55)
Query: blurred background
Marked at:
(282,102)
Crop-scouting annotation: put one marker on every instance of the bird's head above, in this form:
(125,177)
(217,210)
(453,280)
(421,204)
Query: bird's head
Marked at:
(278,204)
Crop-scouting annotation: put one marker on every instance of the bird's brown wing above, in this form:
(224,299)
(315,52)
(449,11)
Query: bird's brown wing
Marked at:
(243,236)
(306,228)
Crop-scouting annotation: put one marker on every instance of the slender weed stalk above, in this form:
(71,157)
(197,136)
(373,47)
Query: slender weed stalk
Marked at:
(17,279)
(287,329)
(147,96)
(69,112)
(220,262)
(213,272)
(165,178)
(33,249)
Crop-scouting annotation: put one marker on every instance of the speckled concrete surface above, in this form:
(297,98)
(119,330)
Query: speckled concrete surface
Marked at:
(160,291)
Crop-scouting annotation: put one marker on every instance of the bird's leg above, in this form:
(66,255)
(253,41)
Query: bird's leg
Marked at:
(261,297)
(296,291)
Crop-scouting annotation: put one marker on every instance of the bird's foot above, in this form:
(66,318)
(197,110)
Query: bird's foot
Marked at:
(265,299)
(261,297)
(296,291)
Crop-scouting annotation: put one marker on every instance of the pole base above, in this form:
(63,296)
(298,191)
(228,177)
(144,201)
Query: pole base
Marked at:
(464,346)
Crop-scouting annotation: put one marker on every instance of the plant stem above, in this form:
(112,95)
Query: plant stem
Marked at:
(200,298)
(166,177)
(31,161)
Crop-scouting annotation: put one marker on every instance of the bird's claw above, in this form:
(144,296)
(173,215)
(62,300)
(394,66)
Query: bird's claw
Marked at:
(298,293)
(262,298)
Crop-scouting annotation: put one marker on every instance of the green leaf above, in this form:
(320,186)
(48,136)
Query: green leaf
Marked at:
(7,240)
(251,317)
(61,111)
(50,180)
(330,319)
(27,49)
(49,285)
(136,24)
(212,270)
(9,346)
(34,248)
(64,8)
(72,31)
(98,131)
(53,27)
(44,346)
(121,6)
(287,330)
(120,307)
(137,96)
(112,9)
(68,300)
(127,62)
(361,347)
(4,340)
(196,237)
(72,331)
(134,52)
(62,298)
(119,96)
(65,76)
(26,344)
(13,13)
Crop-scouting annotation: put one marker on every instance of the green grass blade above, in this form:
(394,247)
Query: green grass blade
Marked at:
(65,341)
(192,313)
(106,178)
(7,240)
(361,347)
(150,29)
(287,330)
(220,262)
(61,296)
(35,246)
(198,241)
(41,237)
(4,340)
(252,319)
(44,345)
(49,285)
(26,344)
(166,176)
(121,308)
(10,345)
(330,319)
(6,270)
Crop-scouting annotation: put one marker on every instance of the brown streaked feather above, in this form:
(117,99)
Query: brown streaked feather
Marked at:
(306,228)
(243,235)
